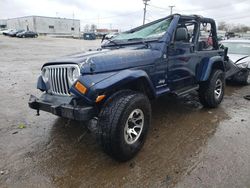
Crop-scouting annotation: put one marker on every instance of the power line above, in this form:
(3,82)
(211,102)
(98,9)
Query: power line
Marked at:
(158,7)
(199,10)
(119,15)
(234,18)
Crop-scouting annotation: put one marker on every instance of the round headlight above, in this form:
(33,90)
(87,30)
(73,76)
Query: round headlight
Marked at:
(73,74)
(243,65)
(45,75)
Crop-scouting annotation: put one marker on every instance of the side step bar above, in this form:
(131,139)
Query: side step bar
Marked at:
(186,90)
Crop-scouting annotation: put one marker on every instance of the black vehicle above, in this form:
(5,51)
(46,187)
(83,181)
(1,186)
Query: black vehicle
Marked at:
(229,35)
(113,85)
(89,36)
(27,34)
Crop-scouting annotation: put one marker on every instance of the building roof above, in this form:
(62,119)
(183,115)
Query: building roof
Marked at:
(44,17)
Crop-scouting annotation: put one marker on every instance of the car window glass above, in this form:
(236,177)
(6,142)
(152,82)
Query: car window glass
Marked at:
(205,41)
(237,47)
(190,28)
(153,31)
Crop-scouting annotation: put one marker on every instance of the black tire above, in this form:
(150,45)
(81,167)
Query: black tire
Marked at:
(207,95)
(242,77)
(114,119)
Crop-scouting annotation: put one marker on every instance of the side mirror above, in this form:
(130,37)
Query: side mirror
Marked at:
(103,37)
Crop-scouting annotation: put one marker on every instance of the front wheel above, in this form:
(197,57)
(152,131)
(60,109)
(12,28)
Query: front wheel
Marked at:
(123,124)
(211,92)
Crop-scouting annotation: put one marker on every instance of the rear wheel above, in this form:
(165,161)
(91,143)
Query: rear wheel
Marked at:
(211,92)
(123,124)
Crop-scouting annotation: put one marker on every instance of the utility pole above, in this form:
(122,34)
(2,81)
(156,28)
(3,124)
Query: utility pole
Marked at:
(145,10)
(171,9)
(98,21)
(73,24)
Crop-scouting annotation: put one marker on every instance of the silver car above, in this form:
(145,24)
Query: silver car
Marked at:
(238,66)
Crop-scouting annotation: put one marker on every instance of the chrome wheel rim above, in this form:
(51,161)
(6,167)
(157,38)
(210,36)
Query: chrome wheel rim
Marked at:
(134,126)
(218,89)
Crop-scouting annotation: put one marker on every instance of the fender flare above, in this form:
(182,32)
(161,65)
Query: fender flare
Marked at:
(206,66)
(123,78)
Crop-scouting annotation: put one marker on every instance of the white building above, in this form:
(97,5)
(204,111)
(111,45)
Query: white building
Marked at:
(3,24)
(46,25)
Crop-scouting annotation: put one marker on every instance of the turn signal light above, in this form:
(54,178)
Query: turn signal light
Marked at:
(100,98)
(80,87)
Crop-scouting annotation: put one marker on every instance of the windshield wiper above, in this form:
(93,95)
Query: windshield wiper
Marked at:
(111,41)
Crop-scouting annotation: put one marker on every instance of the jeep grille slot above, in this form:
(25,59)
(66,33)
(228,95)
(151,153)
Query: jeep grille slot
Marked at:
(58,79)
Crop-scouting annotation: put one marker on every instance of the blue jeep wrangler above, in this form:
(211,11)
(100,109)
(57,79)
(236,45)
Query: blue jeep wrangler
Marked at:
(114,84)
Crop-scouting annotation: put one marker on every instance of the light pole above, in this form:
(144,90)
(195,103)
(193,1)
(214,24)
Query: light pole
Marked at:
(145,10)
(171,9)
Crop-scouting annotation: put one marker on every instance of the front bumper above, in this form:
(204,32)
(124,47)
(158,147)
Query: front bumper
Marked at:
(62,106)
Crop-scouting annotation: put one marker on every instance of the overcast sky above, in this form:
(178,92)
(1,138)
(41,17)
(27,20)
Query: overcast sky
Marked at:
(125,14)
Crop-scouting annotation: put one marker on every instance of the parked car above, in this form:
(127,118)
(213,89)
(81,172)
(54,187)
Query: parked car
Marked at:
(15,32)
(6,32)
(238,67)
(3,31)
(89,36)
(229,35)
(27,34)
(112,86)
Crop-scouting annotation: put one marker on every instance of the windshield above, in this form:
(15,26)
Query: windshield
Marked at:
(149,32)
(237,47)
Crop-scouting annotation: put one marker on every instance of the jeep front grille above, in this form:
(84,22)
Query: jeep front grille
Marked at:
(58,78)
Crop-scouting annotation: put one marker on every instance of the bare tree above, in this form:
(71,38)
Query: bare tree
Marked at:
(93,28)
(245,29)
(239,28)
(222,26)
(86,28)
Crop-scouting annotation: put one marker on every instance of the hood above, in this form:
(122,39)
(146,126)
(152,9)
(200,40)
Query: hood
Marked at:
(107,60)
(239,58)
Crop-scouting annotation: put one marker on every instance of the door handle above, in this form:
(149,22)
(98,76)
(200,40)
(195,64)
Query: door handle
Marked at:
(191,49)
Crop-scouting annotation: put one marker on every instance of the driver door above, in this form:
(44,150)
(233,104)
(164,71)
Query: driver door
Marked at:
(183,58)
